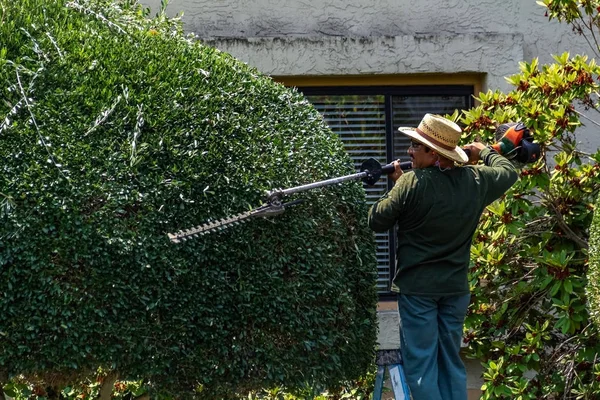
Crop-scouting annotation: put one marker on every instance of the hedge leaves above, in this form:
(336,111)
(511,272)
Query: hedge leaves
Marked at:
(116,129)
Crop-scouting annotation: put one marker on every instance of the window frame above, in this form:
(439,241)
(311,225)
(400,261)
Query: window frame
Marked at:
(388,91)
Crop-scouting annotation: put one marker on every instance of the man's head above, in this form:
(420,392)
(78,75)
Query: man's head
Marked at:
(421,155)
(435,139)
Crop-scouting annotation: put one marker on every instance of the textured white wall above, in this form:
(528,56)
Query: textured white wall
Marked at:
(338,37)
(341,37)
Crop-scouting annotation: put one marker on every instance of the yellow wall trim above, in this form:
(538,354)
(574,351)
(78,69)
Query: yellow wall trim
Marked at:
(475,80)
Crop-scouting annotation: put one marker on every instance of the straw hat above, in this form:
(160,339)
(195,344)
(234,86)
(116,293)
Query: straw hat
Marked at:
(440,134)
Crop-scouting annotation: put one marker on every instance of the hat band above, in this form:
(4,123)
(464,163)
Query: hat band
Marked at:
(435,141)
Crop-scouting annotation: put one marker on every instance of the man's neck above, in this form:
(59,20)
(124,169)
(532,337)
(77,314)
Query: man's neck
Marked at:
(446,164)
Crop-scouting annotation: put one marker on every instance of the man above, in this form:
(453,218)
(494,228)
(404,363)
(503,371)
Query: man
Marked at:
(436,207)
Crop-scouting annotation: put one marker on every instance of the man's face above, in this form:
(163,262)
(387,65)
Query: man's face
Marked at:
(420,156)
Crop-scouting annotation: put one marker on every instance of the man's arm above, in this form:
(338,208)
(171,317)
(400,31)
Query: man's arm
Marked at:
(385,212)
(498,171)
(381,215)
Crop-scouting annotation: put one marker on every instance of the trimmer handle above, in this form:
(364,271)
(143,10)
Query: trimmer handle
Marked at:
(515,142)
(389,168)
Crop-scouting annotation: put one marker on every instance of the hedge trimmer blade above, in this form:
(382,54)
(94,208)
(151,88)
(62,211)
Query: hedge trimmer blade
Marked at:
(209,227)
(266,210)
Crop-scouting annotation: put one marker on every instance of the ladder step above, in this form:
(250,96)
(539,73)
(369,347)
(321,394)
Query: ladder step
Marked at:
(398,382)
(390,360)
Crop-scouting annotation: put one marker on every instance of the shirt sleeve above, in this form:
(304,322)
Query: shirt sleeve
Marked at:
(385,212)
(498,173)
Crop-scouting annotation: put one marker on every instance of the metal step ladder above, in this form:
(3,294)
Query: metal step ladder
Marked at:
(389,359)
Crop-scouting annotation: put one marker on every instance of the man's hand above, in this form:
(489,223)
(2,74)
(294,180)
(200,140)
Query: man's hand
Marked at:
(475,148)
(397,171)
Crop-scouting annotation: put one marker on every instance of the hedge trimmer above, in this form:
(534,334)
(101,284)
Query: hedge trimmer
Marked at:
(371,171)
(516,144)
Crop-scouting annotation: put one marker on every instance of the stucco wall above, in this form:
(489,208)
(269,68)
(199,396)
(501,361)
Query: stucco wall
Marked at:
(408,54)
(336,37)
(381,37)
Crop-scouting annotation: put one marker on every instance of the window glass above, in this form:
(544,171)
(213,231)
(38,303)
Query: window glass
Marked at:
(359,120)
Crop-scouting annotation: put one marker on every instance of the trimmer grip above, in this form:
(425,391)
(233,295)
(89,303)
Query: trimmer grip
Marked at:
(389,168)
(406,165)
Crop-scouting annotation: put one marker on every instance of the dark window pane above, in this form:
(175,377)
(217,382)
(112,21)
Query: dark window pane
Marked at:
(359,120)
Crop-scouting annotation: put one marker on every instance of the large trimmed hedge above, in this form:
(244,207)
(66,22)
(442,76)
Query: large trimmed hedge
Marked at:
(116,129)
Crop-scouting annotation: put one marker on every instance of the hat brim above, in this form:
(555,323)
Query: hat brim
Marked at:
(457,154)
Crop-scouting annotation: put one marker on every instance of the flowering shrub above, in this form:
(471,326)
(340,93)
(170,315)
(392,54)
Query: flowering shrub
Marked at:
(535,298)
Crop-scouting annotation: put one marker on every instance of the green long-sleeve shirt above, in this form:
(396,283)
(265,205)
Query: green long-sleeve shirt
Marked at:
(436,214)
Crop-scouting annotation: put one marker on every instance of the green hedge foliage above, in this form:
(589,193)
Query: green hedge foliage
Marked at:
(116,129)
(593,282)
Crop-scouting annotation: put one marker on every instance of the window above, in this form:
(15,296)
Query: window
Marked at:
(367,121)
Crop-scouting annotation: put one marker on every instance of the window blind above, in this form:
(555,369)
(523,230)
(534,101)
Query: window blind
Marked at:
(359,121)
